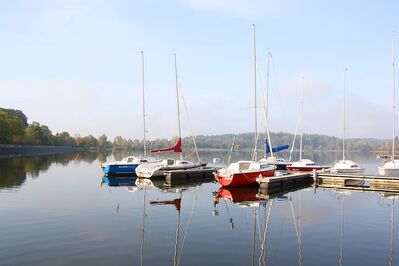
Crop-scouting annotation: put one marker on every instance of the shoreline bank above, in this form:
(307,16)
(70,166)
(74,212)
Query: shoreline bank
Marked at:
(7,150)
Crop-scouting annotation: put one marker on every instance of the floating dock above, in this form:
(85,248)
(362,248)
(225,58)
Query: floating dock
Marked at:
(284,181)
(332,180)
(174,177)
(361,188)
(354,180)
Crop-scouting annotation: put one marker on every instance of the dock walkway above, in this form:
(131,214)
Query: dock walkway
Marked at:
(329,179)
(284,181)
(189,175)
(353,180)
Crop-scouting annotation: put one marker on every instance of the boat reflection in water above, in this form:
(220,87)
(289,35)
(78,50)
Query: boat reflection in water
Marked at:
(261,202)
(176,202)
(118,182)
(241,196)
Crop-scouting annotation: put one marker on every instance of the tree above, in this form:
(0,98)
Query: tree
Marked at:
(102,142)
(63,138)
(11,128)
(38,134)
(16,113)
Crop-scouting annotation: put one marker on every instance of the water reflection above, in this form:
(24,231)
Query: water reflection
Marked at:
(254,198)
(388,199)
(66,212)
(14,170)
(174,201)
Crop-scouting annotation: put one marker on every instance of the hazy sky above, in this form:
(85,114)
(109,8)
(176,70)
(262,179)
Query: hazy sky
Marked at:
(75,66)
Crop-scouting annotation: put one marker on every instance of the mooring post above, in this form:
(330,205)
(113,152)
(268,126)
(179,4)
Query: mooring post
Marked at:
(314,176)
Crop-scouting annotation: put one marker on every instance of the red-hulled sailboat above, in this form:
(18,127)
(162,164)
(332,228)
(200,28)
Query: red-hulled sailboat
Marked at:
(242,173)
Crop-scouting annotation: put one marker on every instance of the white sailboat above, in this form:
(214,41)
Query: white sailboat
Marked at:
(391,168)
(303,164)
(345,166)
(157,169)
(279,163)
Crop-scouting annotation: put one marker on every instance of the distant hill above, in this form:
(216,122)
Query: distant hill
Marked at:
(14,129)
(246,141)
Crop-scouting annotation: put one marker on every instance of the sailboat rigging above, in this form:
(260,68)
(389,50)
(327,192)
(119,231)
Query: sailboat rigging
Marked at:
(244,173)
(391,168)
(303,164)
(157,169)
(279,163)
(345,166)
(129,164)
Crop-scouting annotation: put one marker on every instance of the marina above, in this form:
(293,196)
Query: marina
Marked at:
(199,133)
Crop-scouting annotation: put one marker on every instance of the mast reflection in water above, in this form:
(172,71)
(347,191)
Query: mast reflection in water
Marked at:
(60,210)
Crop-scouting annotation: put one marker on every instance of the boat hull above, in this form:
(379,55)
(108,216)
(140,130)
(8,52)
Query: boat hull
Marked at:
(281,166)
(303,168)
(348,171)
(118,169)
(388,171)
(247,178)
(159,172)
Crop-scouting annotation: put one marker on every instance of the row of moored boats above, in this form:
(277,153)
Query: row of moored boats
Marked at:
(244,173)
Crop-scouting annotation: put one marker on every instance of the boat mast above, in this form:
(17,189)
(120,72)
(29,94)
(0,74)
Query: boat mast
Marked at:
(300,143)
(145,131)
(177,99)
(256,114)
(343,139)
(394,107)
(267,102)
(269,55)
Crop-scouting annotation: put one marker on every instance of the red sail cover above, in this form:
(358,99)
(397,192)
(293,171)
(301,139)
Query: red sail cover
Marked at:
(176,148)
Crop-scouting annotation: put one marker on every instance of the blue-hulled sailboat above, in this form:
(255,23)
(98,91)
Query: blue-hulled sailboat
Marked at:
(128,165)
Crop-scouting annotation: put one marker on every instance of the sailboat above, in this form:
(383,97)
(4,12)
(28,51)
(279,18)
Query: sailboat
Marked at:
(279,163)
(345,166)
(244,173)
(157,169)
(304,165)
(129,164)
(391,168)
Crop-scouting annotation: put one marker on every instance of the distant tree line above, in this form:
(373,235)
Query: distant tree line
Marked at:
(246,142)
(14,129)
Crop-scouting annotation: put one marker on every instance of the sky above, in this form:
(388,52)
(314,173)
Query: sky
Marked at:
(75,65)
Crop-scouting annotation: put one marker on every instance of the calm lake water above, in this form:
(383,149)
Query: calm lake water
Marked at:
(55,210)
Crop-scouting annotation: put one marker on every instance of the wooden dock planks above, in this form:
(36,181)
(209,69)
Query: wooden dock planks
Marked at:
(189,175)
(284,181)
